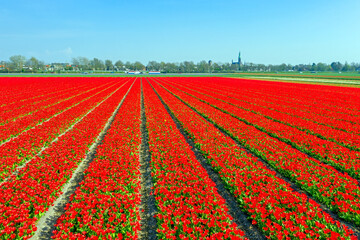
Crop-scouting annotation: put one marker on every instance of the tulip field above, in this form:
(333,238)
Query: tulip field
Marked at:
(178,158)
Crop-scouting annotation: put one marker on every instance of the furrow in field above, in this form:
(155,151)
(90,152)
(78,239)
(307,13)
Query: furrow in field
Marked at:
(340,157)
(96,186)
(9,118)
(14,91)
(267,199)
(27,196)
(272,95)
(31,108)
(23,103)
(346,139)
(312,96)
(148,208)
(327,185)
(273,103)
(21,150)
(9,131)
(187,200)
(251,232)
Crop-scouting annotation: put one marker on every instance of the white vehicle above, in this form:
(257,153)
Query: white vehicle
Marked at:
(134,72)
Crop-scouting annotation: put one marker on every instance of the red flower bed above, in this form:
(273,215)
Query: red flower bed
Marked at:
(16,127)
(338,156)
(338,191)
(25,108)
(189,206)
(309,134)
(339,103)
(278,210)
(25,198)
(106,203)
(21,149)
(306,121)
(15,90)
(295,99)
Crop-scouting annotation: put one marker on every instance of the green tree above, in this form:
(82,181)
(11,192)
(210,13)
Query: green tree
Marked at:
(355,66)
(189,66)
(129,66)
(34,64)
(282,67)
(84,63)
(139,66)
(162,66)
(336,66)
(97,64)
(217,67)
(321,67)
(17,62)
(170,68)
(75,61)
(313,67)
(203,67)
(109,65)
(153,66)
(119,65)
(346,67)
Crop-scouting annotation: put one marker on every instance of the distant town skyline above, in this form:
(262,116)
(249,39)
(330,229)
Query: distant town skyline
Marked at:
(268,32)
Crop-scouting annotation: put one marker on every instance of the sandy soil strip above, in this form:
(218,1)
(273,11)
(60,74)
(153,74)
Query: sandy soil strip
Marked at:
(46,223)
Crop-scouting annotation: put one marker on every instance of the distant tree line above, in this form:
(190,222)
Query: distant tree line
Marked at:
(19,63)
(316,67)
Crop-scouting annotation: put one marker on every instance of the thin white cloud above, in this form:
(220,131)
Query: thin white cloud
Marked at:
(64,52)
(68,51)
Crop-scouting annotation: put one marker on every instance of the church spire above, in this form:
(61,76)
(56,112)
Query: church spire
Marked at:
(238,63)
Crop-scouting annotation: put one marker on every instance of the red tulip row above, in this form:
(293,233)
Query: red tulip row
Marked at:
(14,90)
(21,149)
(22,101)
(20,125)
(338,156)
(189,206)
(289,117)
(24,109)
(316,114)
(321,114)
(25,198)
(105,205)
(338,191)
(318,97)
(270,202)
(326,100)
(271,98)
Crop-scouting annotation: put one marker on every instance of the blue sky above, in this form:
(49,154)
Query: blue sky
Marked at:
(270,32)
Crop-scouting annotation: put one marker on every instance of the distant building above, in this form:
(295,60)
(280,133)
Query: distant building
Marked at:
(2,65)
(237,64)
(57,66)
